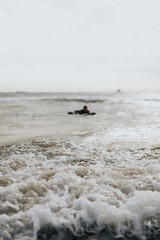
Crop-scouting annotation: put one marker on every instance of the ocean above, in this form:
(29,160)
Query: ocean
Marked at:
(66,177)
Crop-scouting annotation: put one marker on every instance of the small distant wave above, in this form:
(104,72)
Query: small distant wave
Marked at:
(72,100)
(50,100)
(153,100)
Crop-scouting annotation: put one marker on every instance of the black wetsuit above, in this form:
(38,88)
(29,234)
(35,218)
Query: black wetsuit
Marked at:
(81,112)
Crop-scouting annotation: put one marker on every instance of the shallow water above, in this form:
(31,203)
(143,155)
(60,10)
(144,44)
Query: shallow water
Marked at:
(79,177)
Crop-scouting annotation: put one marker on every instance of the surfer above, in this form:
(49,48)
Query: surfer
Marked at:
(82,111)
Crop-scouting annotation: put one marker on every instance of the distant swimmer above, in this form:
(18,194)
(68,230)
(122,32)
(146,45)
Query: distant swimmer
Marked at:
(84,111)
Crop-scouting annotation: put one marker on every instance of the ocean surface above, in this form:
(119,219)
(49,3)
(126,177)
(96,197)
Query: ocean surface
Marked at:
(65,177)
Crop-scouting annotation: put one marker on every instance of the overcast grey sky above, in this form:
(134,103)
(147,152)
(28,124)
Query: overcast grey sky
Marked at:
(79,45)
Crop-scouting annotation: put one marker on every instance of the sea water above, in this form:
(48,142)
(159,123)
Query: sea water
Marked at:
(79,177)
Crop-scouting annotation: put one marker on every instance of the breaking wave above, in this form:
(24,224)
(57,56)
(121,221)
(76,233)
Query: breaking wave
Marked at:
(73,100)
(70,189)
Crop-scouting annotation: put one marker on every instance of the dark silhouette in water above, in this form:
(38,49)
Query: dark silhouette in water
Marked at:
(84,111)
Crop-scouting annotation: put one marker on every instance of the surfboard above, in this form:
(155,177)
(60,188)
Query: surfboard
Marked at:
(92,113)
(84,114)
(70,113)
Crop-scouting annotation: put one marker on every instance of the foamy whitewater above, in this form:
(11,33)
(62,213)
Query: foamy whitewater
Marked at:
(79,177)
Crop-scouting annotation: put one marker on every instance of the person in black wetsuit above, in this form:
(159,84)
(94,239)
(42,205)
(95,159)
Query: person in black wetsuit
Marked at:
(82,111)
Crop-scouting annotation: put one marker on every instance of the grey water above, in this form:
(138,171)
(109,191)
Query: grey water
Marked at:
(79,177)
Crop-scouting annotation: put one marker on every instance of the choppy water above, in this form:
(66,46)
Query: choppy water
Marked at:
(79,177)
